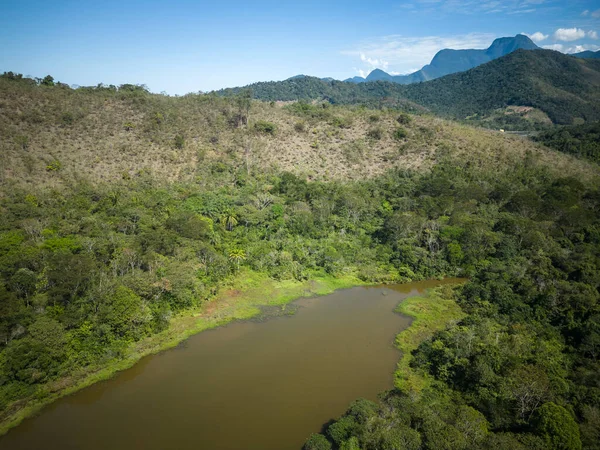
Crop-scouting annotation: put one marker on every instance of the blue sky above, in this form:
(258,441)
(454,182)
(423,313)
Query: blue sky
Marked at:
(188,46)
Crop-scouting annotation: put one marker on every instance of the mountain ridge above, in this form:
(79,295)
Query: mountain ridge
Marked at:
(448,61)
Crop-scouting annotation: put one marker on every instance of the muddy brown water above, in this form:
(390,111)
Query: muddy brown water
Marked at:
(248,385)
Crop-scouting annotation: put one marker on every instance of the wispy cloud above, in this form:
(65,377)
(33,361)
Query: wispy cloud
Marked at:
(473,6)
(374,62)
(404,54)
(592,34)
(596,14)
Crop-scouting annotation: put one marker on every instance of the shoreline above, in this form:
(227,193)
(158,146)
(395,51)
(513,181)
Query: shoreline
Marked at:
(431,312)
(242,299)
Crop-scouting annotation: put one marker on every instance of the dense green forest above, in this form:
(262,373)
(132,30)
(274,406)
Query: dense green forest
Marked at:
(580,140)
(522,369)
(90,266)
(563,87)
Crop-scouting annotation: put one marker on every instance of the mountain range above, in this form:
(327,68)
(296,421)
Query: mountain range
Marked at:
(449,61)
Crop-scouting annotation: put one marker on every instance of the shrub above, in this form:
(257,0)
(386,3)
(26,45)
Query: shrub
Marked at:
(399,133)
(375,133)
(373,118)
(262,126)
(22,142)
(341,122)
(68,118)
(128,126)
(179,141)
(404,119)
(54,166)
(300,127)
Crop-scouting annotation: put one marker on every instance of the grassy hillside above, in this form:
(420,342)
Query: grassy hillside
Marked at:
(126,215)
(565,88)
(55,135)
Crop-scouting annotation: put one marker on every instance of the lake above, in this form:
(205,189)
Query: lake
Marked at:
(248,385)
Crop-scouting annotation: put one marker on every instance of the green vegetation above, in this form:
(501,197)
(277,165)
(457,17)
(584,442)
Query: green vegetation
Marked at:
(432,313)
(265,127)
(399,134)
(563,87)
(101,263)
(520,369)
(579,140)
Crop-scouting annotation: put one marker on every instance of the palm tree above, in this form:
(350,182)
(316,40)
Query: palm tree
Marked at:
(229,220)
(237,256)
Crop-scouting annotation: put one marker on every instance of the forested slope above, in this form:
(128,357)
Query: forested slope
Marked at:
(122,211)
(563,87)
(581,140)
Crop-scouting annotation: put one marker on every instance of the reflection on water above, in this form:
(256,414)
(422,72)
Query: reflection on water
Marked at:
(248,385)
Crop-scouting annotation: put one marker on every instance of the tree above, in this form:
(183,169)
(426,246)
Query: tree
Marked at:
(125,312)
(37,357)
(244,102)
(350,444)
(229,220)
(237,256)
(48,81)
(557,427)
(317,442)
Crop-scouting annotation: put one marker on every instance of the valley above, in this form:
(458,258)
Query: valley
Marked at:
(132,221)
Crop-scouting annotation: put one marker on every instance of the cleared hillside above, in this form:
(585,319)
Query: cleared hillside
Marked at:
(54,135)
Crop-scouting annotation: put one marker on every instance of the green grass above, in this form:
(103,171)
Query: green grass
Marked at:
(431,313)
(241,300)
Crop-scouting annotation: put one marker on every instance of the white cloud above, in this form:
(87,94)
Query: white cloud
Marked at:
(557,47)
(537,36)
(373,62)
(569,34)
(585,13)
(582,48)
(572,49)
(402,53)
(592,34)
(596,14)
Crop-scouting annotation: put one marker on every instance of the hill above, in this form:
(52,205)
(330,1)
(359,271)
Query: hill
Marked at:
(587,54)
(56,135)
(562,87)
